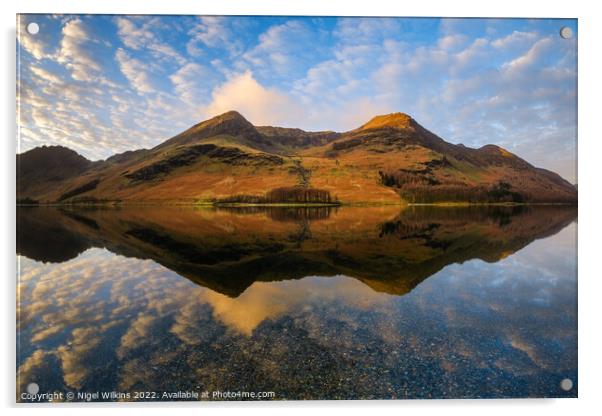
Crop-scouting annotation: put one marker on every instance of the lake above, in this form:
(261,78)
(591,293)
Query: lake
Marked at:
(271,303)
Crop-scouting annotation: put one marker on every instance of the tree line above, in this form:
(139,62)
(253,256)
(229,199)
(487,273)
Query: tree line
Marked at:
(417,188)
(291,194)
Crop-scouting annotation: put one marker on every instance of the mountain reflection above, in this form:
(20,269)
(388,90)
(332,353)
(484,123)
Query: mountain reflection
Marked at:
(227,250)
(301,303)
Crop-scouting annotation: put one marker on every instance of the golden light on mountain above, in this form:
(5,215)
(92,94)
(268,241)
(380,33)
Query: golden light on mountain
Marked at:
(393,120)
(391,159)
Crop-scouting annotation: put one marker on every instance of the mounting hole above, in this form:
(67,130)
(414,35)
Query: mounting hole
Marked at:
(566,384)
(566,32)
(33,28)
(33,388)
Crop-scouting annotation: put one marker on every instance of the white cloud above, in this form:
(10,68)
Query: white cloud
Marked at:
(74,54)
(260,105)
(46,75)
(452,42)
(367,30)
(211,30)
(528,60)
(192,83)
(132,36)
(516,38)
(284,49)
(473,54)
(135,71)
(145,36)
(35,46)
(214,32)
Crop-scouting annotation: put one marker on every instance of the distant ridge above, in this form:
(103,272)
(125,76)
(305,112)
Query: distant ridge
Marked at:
(390,159)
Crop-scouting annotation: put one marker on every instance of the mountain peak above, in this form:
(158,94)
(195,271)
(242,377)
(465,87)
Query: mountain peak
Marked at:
(57,162)
(231,123)
(53,154)
(393,120)
(229,119)
(228,115)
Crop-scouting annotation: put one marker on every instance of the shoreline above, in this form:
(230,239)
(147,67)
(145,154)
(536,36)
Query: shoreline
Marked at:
(114,204)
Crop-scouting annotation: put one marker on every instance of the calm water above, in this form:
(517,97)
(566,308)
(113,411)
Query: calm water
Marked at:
(349,303)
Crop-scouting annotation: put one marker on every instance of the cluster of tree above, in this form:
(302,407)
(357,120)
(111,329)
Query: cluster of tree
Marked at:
(420,193)
(299,194)
(421,187)
(401,178)
(502,191)
(243,199)
(292,194)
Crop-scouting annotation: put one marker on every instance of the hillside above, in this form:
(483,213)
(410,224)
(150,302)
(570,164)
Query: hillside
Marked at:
(47,167)
(390,159)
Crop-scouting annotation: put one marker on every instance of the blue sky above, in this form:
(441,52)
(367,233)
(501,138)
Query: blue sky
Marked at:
(106,84)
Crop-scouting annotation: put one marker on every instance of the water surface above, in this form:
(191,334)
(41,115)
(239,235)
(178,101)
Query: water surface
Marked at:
(312,303)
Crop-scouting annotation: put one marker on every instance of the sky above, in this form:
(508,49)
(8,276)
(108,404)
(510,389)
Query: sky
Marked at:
(105,84)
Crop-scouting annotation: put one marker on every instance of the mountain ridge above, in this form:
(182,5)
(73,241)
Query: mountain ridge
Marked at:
(389,159)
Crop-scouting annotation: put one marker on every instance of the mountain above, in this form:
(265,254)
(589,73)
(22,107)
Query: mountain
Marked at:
(48,166)
(233,128)
(422,167)
(390,159)
(230,126)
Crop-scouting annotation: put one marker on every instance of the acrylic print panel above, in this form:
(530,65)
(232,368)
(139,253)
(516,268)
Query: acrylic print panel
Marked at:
(291,208)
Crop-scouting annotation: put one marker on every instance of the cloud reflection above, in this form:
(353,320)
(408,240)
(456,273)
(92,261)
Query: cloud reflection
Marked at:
(104,321)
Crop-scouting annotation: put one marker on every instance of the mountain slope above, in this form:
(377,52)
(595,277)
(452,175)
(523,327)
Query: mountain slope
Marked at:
(389,159)
(46,167)
(230,126)
(422,167)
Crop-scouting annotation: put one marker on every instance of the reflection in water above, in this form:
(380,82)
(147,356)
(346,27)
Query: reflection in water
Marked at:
(305,304)
(288,214)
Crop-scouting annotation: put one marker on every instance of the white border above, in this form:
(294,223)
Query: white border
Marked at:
(590,163)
